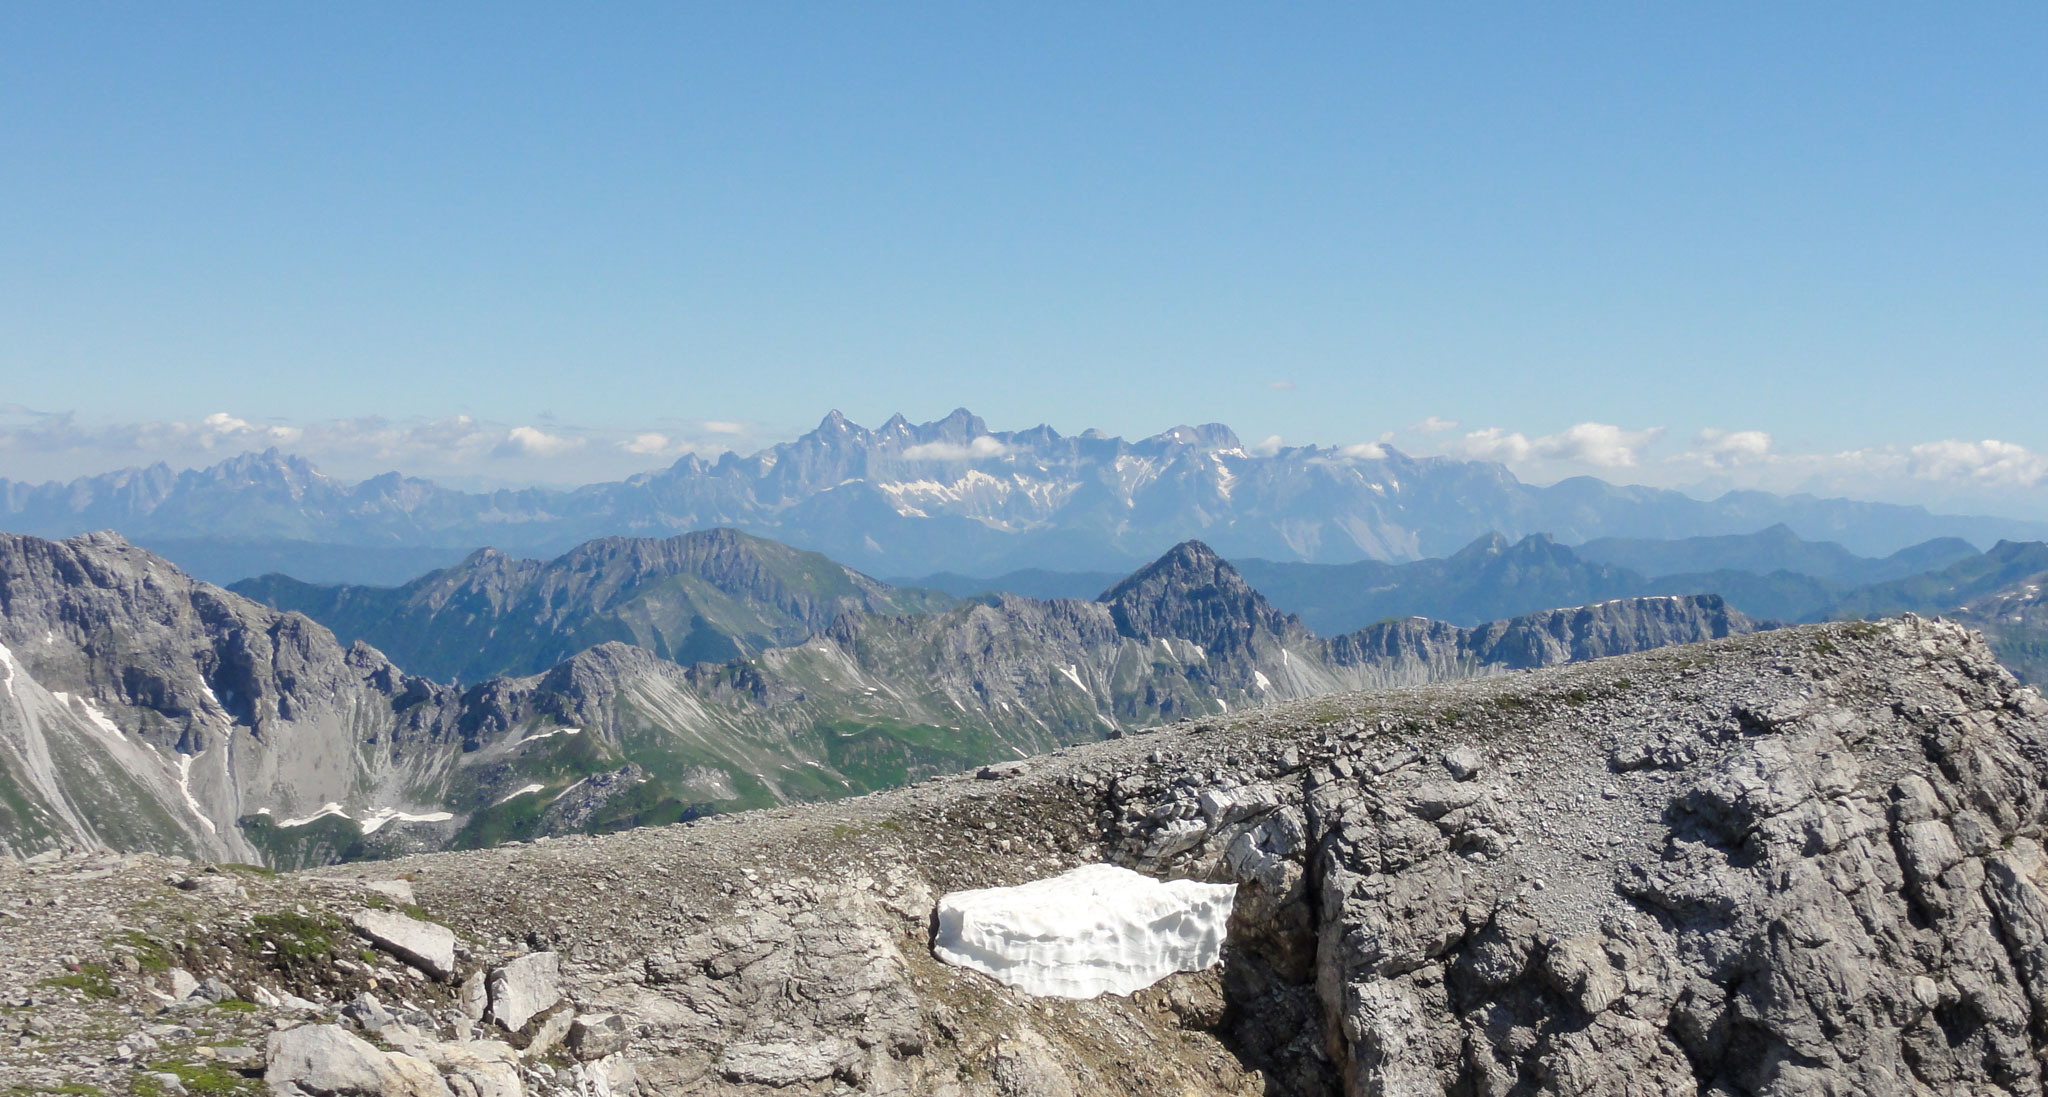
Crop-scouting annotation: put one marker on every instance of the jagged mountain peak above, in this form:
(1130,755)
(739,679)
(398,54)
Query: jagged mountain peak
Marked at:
(1194,594)
(959,425)
(1205,436)
(1187,565)
(1490,544)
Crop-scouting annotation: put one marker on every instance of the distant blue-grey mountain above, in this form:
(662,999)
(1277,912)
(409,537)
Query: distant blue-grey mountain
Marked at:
(1775,549)
(949,495)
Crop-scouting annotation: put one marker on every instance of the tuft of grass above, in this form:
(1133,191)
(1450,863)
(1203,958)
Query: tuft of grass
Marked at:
(200,1077)
(152,956)
(1577,698)
(236,1005)
(91,979)
(248,869)
(300,940)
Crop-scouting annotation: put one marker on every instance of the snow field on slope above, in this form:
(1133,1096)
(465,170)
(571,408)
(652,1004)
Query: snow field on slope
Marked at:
(1098,929)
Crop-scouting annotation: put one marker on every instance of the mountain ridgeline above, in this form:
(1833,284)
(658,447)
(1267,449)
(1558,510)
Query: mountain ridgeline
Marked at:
(701,597)
(145,709)
(947,495)
(1769,575)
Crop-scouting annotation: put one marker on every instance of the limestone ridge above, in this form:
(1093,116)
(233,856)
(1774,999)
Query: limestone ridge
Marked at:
(709,596)
(1802,861)
(145,710)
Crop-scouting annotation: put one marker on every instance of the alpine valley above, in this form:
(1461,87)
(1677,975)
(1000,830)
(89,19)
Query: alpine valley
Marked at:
(145,709)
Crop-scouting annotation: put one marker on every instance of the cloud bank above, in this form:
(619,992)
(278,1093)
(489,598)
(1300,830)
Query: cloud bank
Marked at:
(39,445)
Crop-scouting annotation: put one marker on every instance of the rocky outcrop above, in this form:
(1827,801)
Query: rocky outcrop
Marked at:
(1805,861)
(143,709)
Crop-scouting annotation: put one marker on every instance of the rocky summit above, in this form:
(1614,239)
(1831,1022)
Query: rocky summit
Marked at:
(1806,861)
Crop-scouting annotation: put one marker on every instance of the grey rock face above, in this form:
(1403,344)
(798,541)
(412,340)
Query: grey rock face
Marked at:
(1836,891)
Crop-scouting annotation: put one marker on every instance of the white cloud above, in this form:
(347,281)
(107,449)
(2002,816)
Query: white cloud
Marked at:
(1363,451)
(650,443)
(1265,447)
(533,442)
(1280,386)
(723,426)
(979,449)
(1990,463)
(1600,445)
(1720,449)
(1435,425)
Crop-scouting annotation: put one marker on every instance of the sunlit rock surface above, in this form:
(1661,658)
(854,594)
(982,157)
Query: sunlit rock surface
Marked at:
(1097,929)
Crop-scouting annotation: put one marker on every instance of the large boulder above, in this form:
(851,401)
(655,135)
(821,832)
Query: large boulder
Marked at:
(326,1061)
(424,945)
(524,987)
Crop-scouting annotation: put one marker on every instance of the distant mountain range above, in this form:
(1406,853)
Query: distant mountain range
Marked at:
(950,495)
(1770,575)
(144,709)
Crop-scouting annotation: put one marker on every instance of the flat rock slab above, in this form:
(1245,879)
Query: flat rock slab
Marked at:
(327,1061)
(786,1063)
(424,945)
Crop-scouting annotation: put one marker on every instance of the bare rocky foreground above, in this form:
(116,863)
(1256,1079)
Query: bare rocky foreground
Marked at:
(1803,862)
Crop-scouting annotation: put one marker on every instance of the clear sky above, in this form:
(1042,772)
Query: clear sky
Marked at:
(1821,222)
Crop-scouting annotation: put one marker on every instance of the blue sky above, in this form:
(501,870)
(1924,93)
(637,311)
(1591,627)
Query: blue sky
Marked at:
(1326,223)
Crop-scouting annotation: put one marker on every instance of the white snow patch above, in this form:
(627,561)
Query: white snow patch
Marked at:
(372,822)
(1073,674)
(1225,479)
(528,790)
(550,733)
(326,809)
(185,787)
(1264,682)
(92,712)
(1097,929)
(7,664)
